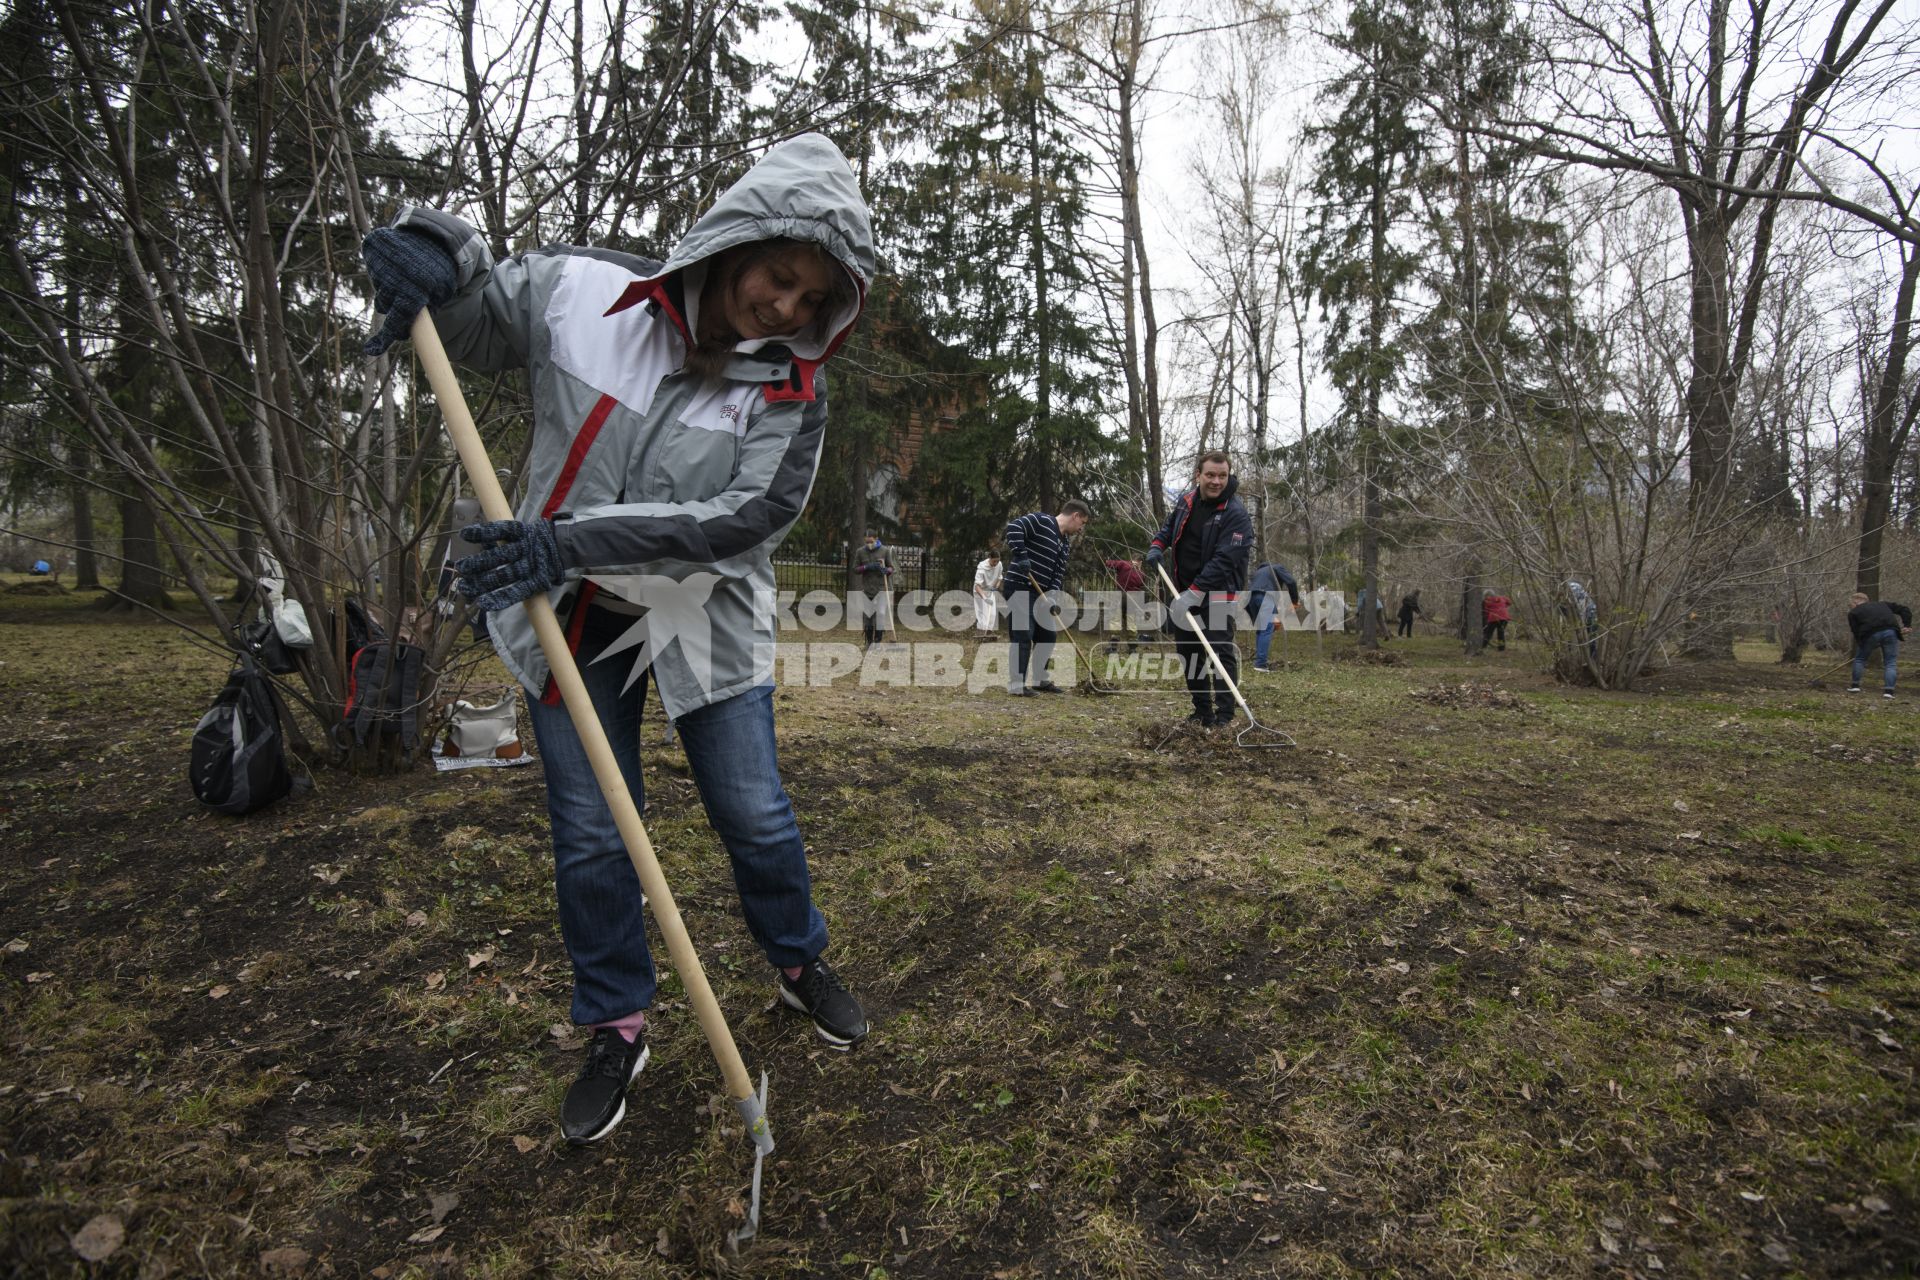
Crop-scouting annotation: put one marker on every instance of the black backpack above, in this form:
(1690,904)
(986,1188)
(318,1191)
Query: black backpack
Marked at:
(383,692)
(239,763)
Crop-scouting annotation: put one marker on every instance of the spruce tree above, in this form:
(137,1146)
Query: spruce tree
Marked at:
(1359,258)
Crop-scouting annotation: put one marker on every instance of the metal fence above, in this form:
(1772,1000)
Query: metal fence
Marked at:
(928,568)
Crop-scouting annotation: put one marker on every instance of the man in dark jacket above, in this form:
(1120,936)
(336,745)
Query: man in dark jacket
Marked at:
(1876,624)
(1409,610)
(1204,544)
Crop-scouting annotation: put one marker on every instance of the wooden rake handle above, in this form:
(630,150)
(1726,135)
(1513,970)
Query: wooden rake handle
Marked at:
(593,736)
(1212,657)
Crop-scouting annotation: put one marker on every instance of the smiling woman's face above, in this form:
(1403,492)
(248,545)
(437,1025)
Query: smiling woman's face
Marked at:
(778,294)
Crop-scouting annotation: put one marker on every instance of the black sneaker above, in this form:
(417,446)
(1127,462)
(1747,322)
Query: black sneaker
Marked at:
(1048,687)
(596,1101)
(819,993)
(1021,692)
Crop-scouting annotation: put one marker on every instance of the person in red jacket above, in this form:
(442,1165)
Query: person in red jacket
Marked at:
(1495,612)
(1133,594)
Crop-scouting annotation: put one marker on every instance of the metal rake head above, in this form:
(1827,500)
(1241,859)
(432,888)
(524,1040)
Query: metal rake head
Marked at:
(1261,737)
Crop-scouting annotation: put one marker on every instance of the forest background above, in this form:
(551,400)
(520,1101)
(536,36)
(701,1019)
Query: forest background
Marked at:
(1477,294)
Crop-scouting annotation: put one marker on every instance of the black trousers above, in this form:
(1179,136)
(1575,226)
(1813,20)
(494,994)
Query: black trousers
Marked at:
(1029,625)
(1210,694)
(1493,628)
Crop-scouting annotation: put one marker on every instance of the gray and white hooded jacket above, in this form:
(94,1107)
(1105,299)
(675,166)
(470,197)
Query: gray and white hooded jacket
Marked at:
(672,492)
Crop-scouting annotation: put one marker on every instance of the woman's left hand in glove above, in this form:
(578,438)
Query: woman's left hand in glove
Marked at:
(517,559)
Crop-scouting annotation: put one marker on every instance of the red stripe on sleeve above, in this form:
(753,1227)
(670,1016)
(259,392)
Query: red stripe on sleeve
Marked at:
(577,455)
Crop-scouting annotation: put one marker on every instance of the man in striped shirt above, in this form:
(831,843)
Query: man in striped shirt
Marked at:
(1037,547)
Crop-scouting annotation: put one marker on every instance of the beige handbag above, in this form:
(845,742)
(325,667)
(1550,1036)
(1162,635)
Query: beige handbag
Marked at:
(492,730)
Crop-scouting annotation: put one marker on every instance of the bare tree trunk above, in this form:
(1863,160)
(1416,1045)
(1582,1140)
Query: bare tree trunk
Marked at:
(142,581)
(1889,425)
(1037,264)
(86,564)
(1472,629)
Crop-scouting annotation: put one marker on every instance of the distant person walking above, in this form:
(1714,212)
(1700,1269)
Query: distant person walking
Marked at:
(1362,600)
(1037,547)
(1877,624)
(987,576)
(1409,610)
(1495,612)
(873,565)
(1263,589)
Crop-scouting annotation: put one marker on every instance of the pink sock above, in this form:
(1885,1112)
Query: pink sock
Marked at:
(629,1027)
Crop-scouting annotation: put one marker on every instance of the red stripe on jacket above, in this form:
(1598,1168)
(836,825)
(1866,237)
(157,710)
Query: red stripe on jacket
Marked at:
(576,457)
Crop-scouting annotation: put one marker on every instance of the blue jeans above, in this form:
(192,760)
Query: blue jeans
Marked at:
(1263,624)
(1888,642)
(730,749)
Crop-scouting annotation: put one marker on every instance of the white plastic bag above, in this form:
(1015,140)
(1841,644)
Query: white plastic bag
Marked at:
(290,620)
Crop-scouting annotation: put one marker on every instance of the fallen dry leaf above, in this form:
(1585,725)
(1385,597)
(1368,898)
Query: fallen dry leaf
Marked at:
(99,1239)
(287,1259)
(416,919)
(523,1144)
(435,981)
(442,1203)
(426,1235)
(219,992)
(15,947)
(477,958)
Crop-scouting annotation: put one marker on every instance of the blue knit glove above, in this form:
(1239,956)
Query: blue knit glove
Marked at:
(1151,561)
(409,270)
(517,560)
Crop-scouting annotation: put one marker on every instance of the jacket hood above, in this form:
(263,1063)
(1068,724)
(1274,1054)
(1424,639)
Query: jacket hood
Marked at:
(803,189)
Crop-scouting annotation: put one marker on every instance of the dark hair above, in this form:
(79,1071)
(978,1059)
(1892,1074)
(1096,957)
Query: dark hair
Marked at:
(708,358)
(1075,507)
(1212,455)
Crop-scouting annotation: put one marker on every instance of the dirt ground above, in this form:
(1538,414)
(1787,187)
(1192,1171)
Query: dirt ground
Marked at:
(1487,977)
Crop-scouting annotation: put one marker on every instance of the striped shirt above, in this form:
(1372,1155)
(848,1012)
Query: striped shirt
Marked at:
(1036,547)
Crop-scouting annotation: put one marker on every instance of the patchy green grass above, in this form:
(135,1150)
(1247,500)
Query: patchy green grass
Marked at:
(1500,979)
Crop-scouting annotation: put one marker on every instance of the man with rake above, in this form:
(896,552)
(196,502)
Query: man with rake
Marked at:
(1204,546)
